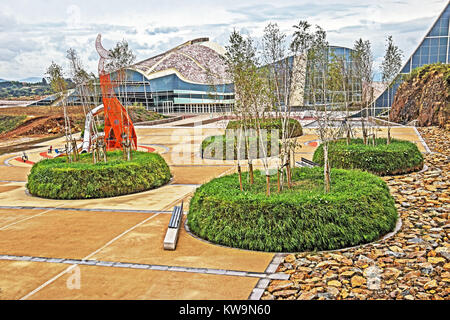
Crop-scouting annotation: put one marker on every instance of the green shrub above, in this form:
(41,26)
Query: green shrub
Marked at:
(358,210)
(398,157)
(214,143)
(58,179)
(268,124)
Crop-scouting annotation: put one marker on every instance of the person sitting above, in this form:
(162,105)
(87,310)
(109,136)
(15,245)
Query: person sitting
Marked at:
(24,157)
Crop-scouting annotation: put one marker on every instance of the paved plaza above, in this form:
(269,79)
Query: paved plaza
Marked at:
(115,245)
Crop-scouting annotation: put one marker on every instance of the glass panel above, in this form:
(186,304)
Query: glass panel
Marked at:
(424,60)
(406,69)
(435,31)
(434,50)
(444,27)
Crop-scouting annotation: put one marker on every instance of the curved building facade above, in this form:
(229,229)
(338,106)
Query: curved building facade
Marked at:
(189,78)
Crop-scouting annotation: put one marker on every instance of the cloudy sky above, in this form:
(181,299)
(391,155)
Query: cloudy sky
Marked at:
(35,32)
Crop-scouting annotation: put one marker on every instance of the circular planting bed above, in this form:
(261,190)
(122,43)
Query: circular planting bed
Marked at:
(58,179)
(398,157)
(223,147)
(359,209)
(293,125)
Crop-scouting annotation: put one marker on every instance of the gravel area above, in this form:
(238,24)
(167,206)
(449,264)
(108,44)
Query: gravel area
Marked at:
(414,264)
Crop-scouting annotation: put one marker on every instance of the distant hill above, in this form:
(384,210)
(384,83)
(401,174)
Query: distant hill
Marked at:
(31,80)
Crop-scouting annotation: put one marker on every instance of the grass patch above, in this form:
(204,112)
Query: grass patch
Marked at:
(58,179)
(358,210)
(8,123)
(399,157)
(269,124)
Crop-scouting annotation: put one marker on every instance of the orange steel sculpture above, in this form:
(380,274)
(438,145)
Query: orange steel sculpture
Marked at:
(119,129)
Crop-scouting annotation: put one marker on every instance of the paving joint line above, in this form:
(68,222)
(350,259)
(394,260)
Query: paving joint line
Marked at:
(84,209)
(262,283)
(74,263)
(265,276)
(28,218)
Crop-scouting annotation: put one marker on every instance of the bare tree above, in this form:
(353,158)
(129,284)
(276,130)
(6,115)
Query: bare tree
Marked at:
(363,66)
(59,86)
(240,58)
(85,87)
(390,68)
(285,73)
(320,88)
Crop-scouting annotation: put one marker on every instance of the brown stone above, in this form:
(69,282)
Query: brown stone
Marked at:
(279,285)
(430,285)
(334,283)
(358,281)
(307,296)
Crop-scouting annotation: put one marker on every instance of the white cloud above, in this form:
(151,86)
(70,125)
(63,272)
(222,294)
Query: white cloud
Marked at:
(33,33)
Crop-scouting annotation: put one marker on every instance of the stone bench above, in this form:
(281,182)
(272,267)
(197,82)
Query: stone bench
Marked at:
(306,163)
(170,241)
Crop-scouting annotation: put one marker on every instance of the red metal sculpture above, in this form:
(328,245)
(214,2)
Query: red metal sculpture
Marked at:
(119,129)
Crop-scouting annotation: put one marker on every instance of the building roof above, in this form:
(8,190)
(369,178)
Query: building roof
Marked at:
(196,61)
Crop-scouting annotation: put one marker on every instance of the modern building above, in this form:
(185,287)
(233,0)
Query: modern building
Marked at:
(190,78)
(433,48)
(354,91)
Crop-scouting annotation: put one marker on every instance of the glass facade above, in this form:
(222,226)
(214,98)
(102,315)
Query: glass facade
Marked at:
(433,49)
(354,85)
(169,94)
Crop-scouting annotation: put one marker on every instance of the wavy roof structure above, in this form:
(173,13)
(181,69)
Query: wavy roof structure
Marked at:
(197,61)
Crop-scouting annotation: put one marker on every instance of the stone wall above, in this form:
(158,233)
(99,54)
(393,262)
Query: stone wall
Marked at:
(424,96)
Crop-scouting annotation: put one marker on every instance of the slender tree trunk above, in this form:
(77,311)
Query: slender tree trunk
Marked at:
(268,184)
(250,169)
(240,177)
(389,134)
(326,170)
(278,180)
(348,133)
(288,171)
(363,128)
(94,157)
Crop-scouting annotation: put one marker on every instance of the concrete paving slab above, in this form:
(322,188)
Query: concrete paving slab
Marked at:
(66,234)
(20,277)
(9,216)
(145,245)
(114,283)
(195,174)
(156,199)
(14,173)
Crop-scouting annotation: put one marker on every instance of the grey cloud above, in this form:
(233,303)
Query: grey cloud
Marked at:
(266,12)
(416,25)
(161,30)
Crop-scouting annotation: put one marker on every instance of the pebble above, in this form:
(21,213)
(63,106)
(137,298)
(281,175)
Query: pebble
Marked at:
(413,264)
